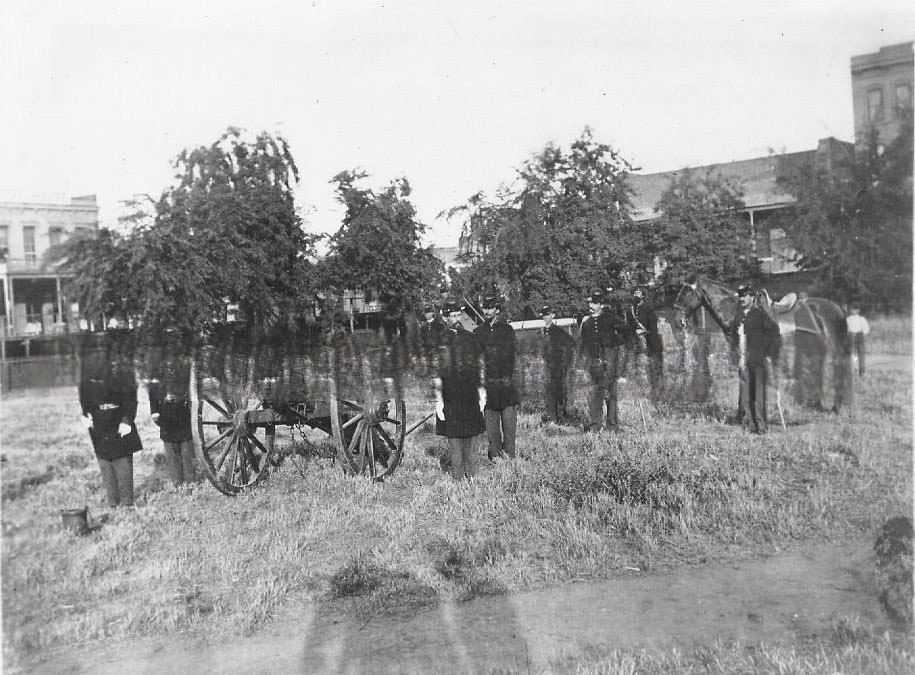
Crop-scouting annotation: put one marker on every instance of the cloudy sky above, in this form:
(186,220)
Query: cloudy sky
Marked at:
(98,97)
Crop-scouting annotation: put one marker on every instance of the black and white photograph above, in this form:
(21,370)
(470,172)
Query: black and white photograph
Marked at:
(387,336)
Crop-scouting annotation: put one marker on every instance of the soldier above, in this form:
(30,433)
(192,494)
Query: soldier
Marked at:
(431,334)
(108,399)
(459,393)
(170,407)
(497,339)
(558,355)
(858,329)
(643,322)
(758,341)
(603,335)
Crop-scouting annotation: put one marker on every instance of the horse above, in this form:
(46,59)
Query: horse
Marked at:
(819,359)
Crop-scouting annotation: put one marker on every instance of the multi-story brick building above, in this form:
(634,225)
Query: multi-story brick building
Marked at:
(32,302)
(881,89)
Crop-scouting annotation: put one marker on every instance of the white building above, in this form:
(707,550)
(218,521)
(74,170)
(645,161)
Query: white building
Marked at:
(32,302)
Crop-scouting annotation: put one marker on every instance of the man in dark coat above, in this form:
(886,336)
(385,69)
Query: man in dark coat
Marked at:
(757,339)
(643,323)
(558,355)
(459,393)
(603,336)
(108,399)
(497,339)
(170,407)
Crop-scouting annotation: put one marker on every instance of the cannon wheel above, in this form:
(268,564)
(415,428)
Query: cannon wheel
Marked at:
(369,437)
(233,453)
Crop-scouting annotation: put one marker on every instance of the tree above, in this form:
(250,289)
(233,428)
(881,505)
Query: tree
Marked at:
(377,249)
(225,232)
(700,231)
(852,225)
(561,230)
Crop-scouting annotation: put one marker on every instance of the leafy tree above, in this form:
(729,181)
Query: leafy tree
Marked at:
(852,225)
(226,231)
(377,249)
(700,231)
(562,229)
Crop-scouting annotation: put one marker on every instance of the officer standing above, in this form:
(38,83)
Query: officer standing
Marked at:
(497,339)
(558,355)
(757,338)
(603,335)
(459,393)
(170,407)
(108,399)
(643,322)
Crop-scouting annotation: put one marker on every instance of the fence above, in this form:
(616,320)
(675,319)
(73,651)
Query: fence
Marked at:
(38,371)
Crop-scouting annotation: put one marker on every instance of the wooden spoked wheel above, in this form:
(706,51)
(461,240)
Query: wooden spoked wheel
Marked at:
(369,436)
(234,436)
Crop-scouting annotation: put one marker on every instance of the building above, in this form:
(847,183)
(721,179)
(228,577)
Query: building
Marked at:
(881,89)
(758,180)
(32,303)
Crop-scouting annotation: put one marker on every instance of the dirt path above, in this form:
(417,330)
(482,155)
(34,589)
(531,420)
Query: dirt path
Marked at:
(779,599)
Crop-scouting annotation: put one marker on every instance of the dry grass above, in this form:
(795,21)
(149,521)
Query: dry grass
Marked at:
(576,506)
(849,648)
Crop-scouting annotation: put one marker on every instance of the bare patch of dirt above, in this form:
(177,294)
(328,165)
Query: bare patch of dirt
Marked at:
(781,599)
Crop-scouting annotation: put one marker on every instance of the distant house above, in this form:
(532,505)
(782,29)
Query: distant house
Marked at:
(32,302)
(757,178)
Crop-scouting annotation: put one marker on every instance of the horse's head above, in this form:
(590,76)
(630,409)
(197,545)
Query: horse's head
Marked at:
(689,299)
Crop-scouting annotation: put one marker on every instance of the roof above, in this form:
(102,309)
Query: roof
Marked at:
(755,177)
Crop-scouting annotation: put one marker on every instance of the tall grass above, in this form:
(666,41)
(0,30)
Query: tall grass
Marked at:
(690,490)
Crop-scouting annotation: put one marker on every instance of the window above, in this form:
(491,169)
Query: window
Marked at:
(903,98)
(874,105)
(4,241)
(55,235)
(28,243)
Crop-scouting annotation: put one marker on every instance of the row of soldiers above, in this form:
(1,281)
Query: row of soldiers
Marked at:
(474,371)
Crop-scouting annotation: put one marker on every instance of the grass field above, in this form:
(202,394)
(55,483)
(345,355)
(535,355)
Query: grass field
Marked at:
(577,506)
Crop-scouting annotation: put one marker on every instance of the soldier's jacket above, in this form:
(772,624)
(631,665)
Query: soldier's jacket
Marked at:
(169,396)
(558,350)
(644,316)
(499,345)
(108,393)
(601,335)
(762,335)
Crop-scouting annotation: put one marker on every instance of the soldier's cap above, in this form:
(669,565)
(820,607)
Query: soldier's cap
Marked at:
(546,309)
(597,297)
(451,307)
(492,302)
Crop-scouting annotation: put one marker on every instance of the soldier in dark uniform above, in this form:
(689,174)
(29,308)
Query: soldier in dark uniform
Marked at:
(497,339)
(108,398)
(603,336)
(170,406)
(431,334)
(459,393)
(558,355)
(756,339)
(643,323)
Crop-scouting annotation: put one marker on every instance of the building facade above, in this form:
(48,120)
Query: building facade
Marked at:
(881,88)
(32,302)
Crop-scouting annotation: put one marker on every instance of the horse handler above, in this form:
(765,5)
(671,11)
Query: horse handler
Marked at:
(758,340)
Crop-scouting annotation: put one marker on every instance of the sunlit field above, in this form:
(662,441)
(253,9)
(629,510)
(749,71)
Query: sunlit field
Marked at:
(691,490)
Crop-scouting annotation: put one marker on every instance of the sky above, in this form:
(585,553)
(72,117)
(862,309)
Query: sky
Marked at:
(98,97)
